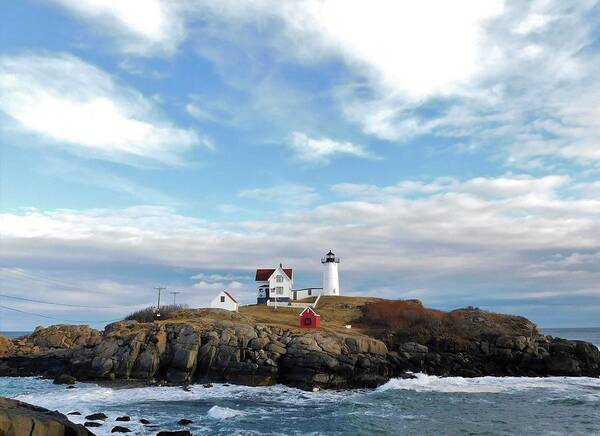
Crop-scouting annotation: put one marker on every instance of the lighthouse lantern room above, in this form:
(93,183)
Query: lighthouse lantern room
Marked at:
(331,281)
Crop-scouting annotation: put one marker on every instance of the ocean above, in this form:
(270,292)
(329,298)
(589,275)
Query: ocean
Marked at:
(427,405)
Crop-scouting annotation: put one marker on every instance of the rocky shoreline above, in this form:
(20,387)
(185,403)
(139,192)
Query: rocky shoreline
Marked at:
(239,351)
(18,418)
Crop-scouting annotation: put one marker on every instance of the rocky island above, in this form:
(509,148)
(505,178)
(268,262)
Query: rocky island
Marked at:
(261,346)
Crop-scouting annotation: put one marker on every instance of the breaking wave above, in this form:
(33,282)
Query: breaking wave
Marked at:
(218,412)
(432,383)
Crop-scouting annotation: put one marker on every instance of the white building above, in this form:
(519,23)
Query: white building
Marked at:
(274,284)
(331,280)
(224,300)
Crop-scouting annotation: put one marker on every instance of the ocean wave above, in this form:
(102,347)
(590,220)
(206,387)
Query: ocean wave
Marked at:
(218,412)
(432,383)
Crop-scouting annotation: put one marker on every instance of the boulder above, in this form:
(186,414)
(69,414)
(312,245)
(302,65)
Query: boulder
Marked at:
(174,433)
(6,346)
(92,424)
(96,417)
(64,379)
(65,336)
(18,418)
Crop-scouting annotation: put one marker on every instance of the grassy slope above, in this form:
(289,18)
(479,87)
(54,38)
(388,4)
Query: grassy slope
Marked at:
(335,313)
(407,320)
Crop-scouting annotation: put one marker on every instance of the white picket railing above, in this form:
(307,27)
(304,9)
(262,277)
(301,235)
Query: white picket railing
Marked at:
(292,304)
(317,301)
(287,304)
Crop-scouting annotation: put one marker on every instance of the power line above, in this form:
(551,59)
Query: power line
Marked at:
(61,304)
(22,275)
(56,319)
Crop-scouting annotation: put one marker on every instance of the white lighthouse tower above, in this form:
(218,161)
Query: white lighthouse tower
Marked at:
(331,280)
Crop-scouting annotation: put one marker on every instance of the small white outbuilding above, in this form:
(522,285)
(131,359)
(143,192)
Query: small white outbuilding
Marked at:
(224,300)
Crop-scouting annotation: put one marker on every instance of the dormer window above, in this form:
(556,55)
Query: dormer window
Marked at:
(279,279)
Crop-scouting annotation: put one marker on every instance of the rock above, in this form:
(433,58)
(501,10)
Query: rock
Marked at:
(123,418)
(74,413)
(18,418)
(6,346)
(174,433)
(96,417)
(92,424)
(413,347)
(119,429)
(238,350)
(185,421)
(65,336)
(144,421)
(563,364)
(64,379)
(71,387)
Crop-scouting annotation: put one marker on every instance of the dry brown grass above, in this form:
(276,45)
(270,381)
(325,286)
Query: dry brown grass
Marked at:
(336,313)
(409,320)
(391,320)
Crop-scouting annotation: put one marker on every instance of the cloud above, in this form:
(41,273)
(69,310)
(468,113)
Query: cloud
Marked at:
(288,195)
(496,74)
(322,150)
(507,186)
(87,175)
(467,226)
(80,108)
(498,242)
(142,27)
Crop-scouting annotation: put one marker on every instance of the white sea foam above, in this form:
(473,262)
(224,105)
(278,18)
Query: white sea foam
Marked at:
(430,383)
(218,412)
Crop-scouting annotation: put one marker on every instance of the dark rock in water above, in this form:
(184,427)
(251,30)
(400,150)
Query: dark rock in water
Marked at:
(74,413)
(207,385)
(64,379)
(96,417)
(18,418)
(185,421)
(71,387)
(144,421)
(174,433)
(92,424)
(119,429)
(123,418)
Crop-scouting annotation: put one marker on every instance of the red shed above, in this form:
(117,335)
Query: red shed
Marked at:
(309,319)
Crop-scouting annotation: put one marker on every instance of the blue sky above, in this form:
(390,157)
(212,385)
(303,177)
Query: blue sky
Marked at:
(447,152)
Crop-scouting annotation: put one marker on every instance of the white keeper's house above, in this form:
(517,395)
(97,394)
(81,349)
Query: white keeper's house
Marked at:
(277,284)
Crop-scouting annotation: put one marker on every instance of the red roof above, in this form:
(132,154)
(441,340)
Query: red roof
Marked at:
(263,274)
(310,309)
(230,296)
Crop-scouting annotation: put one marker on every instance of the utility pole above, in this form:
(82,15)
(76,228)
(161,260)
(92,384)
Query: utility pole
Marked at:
(174,296)
(159,289)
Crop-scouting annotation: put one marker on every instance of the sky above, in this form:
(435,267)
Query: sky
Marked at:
(446,151)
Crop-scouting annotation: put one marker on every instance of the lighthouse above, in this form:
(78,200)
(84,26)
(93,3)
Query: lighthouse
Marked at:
(331,280)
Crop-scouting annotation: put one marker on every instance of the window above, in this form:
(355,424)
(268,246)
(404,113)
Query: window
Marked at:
(279,279)
(222,298)
(307,321)
(279,290)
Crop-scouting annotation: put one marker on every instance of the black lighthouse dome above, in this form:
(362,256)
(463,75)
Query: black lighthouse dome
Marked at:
(330,257)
